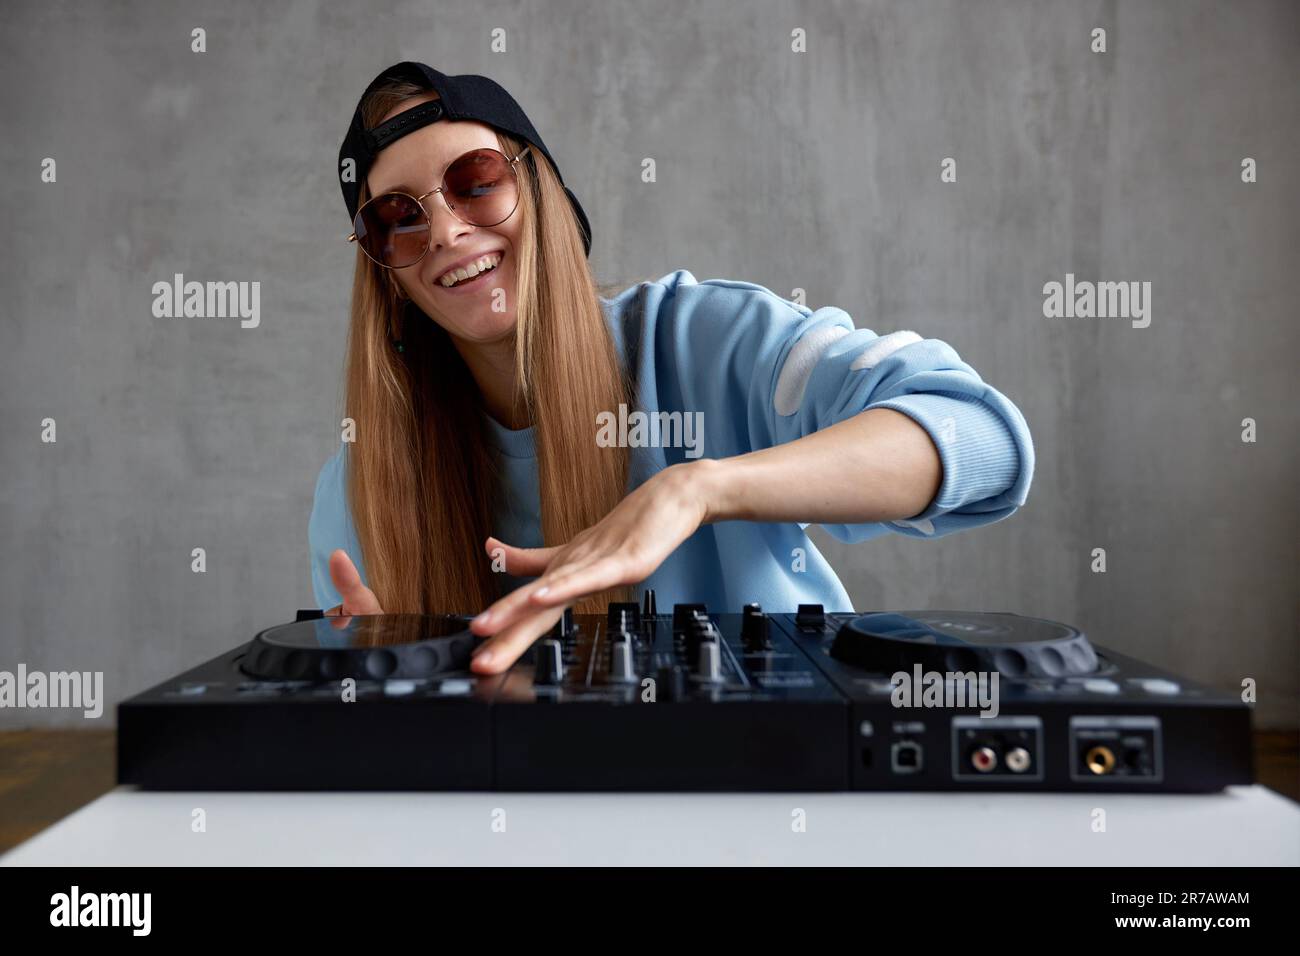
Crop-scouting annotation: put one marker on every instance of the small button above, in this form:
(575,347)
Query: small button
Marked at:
(399,688)
(1156,685)
(1101,686)
(454,687)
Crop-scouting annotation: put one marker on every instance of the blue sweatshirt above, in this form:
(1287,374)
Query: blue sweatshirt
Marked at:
(753,370)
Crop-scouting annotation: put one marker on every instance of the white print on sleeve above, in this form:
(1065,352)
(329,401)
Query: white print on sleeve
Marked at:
(798,367)
(793,380)
(884,347)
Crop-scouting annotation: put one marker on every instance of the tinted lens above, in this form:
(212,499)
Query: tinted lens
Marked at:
(393,230)
(481,187)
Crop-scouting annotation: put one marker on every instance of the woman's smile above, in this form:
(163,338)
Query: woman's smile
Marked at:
(476,282)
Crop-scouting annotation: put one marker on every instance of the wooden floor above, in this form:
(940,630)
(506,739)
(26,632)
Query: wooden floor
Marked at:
(47,774)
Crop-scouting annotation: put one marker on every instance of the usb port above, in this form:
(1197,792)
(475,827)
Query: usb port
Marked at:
(906,756)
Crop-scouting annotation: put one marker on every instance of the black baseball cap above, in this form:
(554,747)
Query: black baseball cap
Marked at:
(463,97)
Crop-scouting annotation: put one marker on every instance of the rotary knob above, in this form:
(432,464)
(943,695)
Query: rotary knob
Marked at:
(621,665)
(754,629)
(708,662)
(698,631)
(548,665)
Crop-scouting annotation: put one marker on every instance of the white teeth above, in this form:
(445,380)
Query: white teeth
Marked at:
(483,264)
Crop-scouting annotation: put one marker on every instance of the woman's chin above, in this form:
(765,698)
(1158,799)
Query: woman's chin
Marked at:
(481,328)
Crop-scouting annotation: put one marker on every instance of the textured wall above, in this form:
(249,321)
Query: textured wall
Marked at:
(817,170)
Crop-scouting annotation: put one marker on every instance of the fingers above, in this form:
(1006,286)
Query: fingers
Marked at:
(357,598)
(343,573)
(556,588)
(497,653)
(521,562)
(567,585)
(503,612)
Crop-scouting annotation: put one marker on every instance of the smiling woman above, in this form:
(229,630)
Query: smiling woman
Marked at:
(421,471)
(480,477)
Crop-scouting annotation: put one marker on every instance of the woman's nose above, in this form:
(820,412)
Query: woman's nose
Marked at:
(445,227)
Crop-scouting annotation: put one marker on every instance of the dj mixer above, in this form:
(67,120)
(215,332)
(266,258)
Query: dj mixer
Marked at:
(691,700)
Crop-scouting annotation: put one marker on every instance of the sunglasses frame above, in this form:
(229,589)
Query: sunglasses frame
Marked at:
(441,188)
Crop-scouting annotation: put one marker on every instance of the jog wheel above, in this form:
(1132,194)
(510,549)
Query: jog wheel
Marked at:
(363,647)
(890,641)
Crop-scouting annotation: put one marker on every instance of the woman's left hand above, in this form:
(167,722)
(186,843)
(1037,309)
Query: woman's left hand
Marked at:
(625,547)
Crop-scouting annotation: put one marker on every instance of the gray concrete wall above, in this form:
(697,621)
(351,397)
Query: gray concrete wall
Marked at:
(817,170)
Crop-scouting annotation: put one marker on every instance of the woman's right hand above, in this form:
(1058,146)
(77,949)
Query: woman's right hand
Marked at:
(357,598)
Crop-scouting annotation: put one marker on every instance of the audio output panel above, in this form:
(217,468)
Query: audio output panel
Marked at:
(997,748)
(1115,749)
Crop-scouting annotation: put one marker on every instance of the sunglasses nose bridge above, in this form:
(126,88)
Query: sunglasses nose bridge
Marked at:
(426,203)
(439,190)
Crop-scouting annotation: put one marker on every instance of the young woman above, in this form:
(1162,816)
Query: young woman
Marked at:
(489,381)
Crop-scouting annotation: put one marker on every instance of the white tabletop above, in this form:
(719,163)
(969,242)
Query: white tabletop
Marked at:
(1246,826)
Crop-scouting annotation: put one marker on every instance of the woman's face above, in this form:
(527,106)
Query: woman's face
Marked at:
(414,164)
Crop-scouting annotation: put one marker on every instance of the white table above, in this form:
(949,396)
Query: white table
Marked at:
(1246,826)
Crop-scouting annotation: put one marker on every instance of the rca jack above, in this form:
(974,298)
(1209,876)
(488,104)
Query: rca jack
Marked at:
(1100,760)
(984,759)
(1018,760)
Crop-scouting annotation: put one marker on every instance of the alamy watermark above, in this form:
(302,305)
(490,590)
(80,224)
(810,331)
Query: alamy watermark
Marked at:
(84,691)
(946,689)
(651,430)
(208,300)
(1098,300)
(76,908)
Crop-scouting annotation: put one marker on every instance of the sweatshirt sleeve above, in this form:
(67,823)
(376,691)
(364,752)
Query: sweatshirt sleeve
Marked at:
(330,527)
(765,370)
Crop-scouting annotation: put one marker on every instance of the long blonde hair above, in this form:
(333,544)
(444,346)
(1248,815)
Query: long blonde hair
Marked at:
(421,481)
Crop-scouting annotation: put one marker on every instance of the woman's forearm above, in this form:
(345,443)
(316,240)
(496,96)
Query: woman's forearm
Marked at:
(879,465)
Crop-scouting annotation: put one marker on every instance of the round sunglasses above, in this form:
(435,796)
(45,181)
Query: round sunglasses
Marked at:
(480,187)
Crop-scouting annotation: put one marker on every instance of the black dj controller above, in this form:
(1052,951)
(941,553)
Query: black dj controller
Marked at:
(637,700)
